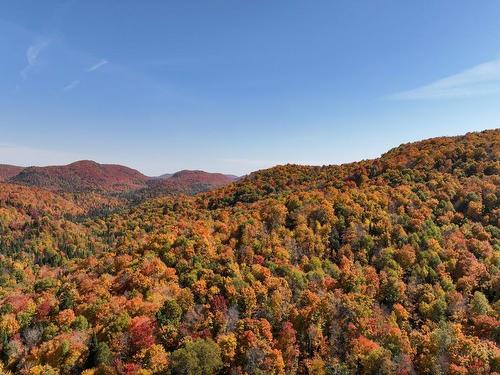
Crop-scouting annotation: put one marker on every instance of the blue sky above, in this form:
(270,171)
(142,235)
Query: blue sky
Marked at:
(235,86)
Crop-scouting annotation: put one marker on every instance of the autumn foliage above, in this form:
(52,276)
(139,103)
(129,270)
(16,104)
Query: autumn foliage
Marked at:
(385,266)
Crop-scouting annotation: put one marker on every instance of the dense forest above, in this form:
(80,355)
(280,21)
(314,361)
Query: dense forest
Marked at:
(385,266)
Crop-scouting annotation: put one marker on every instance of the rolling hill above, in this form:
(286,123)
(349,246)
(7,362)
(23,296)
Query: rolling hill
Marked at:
(82,175)
(86,176)
(9,171)
(187,182)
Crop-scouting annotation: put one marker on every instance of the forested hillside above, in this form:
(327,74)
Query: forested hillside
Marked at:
(182,182)
(84,175)
(9,171)
(111,180)
(385,266)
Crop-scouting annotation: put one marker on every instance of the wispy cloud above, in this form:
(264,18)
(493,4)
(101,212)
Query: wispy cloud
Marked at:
(71,85)
(97,65)
(32,54)
(34,50)
(482,79)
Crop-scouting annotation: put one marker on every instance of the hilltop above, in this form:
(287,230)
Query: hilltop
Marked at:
(84,175)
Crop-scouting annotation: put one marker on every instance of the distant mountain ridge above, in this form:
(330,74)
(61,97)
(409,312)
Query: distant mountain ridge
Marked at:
(187,182)
(183,174)
(9,171)
(88,175)
(201,176)
(84,175)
